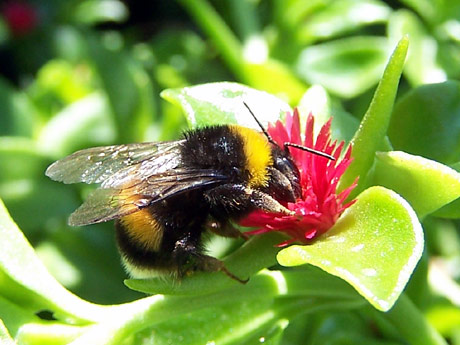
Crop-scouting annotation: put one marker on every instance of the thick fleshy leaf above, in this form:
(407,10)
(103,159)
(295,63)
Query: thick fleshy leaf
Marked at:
(317,101)
(425,184)
(17,113)
(5,337)
(124,82)
(374,246)
(92,12)
(339,17)
(253,318)
(91,125)
(274,77)
(20,159)
(426,122)
(218,103)
(26,282)
(445,318)
(346,67)
(421,66)
(370,136)
(430,10)
(451,210)
(14,317)
(32,202)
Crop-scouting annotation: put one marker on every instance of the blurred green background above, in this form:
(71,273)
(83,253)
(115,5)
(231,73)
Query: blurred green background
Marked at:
(75,74)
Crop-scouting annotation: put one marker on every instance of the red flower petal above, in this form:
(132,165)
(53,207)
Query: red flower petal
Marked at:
(320,205)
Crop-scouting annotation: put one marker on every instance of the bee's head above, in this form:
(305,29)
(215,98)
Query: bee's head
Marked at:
(284,182)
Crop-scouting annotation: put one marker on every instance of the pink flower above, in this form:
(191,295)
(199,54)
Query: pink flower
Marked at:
(21,17)
(320,205)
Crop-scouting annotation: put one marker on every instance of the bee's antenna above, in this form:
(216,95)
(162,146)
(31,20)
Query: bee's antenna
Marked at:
(269,138)
(297,146)
(304,148)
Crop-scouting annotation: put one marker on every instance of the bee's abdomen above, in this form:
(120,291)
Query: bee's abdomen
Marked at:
(150,240)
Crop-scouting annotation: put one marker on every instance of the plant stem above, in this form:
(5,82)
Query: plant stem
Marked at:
(412,325)
(244,18)
(213,25)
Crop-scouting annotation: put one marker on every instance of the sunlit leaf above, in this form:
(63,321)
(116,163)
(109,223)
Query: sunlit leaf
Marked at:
(14,317)
(346,67)
(370,136)
(218,103)
(341,17)
(374,246)
(26,282)
(120,77)
(421,65)
(16,111)
(5,337)
(95,12)
(82,123)
(445,318)
(276,78)
(425,184)
(317,101)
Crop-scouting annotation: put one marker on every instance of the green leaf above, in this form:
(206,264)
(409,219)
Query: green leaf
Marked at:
(27,283)
(250,310)
(371,133)
(342,16)
(119,75)
(317,101)
(426,122)
(90,125)
(17,113)
(451,210)
(218,103)
(220,34)
(33,204)
(276,78)
(246,319)
(421,65)
(425,184)
(346,67)
(406,313)
(445,318)
(374,246)
(59,83)
(14,317)
(5,338)
(430,10)
(49,333)
(21,159)
(95,12)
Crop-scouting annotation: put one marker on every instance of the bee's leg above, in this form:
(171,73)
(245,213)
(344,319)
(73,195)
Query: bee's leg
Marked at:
(225,228)
(211,264)
(191,259)
(234,199)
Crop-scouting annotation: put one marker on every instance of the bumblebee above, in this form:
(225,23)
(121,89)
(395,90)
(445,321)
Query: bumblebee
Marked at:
(164,195)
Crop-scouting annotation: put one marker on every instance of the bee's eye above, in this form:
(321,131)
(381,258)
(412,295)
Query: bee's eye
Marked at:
(287,167)
(284,164)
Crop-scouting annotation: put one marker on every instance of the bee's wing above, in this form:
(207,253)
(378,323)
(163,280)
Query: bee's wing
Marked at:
(112,165)
(105,204)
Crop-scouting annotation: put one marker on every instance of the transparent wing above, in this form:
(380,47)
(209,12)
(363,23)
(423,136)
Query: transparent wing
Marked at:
(105,204)
(117,164)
